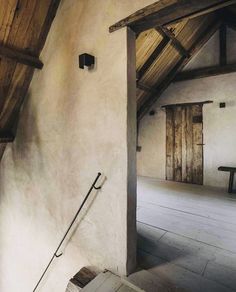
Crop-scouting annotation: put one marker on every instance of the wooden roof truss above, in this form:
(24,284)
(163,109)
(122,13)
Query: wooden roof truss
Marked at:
(169,34)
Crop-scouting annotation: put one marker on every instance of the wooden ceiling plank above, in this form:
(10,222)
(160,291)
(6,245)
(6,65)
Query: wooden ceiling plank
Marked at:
(20,57)
(21,22)
(7,13)
(158,50)
(168,12)
(164,31)
(205,72)
(161,87)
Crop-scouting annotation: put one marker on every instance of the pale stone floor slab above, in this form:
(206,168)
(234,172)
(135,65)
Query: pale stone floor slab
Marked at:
(186,237)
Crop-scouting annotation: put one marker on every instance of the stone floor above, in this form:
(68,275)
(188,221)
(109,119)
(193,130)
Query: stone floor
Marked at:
(186,238)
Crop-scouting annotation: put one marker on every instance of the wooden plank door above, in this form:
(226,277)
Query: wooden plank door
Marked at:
(184,143)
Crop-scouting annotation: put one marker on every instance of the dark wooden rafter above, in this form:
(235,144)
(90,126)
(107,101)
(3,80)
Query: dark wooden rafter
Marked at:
(168,12)
(20,57)
(161,87)
(205,72)
(157,52)
(223,44)
(165,32)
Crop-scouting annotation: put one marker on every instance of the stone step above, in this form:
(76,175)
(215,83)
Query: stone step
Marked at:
(108,282)
(72,288)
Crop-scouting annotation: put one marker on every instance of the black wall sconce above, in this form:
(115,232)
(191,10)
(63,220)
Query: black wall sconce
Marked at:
(152,113)
(86,60)
(222,105)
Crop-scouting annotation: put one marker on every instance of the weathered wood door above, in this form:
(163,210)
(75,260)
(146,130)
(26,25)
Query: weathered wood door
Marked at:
(184,143)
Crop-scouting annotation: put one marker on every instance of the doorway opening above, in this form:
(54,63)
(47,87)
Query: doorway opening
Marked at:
(184,56)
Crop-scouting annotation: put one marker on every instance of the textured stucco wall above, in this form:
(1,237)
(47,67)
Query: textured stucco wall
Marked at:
(74,123)
(219,124)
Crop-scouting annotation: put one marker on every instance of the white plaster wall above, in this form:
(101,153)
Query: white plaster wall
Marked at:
(219,124)
(74,123)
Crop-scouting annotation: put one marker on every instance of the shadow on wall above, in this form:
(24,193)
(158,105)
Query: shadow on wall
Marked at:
(27,131)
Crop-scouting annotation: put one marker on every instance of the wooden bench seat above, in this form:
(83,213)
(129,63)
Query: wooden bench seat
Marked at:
(231,170)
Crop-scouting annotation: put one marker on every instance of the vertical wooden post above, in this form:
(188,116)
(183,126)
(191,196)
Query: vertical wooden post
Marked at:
(223,45)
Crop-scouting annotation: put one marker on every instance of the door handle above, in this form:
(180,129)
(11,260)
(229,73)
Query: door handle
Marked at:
(200,144)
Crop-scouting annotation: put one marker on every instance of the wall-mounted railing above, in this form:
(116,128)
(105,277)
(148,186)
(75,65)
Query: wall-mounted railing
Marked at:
(56,255)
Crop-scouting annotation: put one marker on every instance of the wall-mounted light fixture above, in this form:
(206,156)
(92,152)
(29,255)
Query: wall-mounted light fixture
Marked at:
(152,113)
(86,60)
(222,105)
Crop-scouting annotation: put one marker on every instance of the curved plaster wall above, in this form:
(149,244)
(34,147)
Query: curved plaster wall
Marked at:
(74,123)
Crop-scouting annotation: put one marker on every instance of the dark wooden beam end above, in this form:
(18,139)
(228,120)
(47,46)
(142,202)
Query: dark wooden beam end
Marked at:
(20,57)
(6,137)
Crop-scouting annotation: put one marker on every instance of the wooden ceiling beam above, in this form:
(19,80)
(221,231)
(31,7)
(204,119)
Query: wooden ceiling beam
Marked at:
(205,72)
(157,52)
(165,32)
(169,12)
(23,58)
(161,87)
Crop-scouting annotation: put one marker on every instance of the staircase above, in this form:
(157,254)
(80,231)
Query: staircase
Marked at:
(106,282)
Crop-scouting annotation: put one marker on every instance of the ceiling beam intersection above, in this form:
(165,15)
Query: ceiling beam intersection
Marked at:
(161,87)
(165,32)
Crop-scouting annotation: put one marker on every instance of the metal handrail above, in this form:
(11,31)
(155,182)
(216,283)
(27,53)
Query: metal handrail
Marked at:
(55,255)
